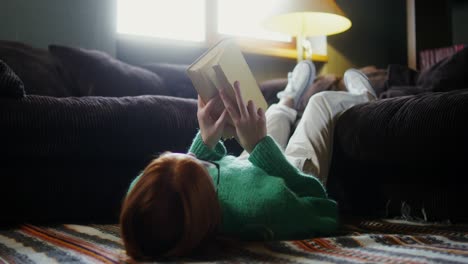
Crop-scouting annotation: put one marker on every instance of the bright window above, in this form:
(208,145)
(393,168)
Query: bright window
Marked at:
(169,19)
(243,18)
(186,19)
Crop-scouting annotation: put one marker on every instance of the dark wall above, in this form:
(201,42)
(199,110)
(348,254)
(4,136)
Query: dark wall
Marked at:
(440,23)
(460,22)
(378,34)
(433,24)
(84,23)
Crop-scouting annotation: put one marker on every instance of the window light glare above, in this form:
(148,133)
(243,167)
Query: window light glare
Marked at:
(170,19)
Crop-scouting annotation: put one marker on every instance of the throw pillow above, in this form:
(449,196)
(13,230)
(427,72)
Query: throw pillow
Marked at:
(98,74)
(401,81)
(400,75)
(448,74)
(41,73)
(174,76)
(10,83)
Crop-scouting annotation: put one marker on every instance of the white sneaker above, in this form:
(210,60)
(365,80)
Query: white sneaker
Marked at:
(299,80)
(357,83)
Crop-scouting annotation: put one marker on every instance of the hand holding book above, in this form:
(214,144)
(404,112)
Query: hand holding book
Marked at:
(212,129)
(249,121)
(219,68)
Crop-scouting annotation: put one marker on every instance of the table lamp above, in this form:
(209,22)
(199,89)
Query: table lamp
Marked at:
(305,18)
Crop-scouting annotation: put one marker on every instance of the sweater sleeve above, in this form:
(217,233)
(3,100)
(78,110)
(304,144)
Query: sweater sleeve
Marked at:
(268,156)
(201,151)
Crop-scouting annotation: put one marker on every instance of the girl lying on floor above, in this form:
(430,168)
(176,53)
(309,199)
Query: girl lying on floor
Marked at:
(183,201)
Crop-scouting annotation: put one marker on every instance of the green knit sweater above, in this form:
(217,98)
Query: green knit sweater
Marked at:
(265,197)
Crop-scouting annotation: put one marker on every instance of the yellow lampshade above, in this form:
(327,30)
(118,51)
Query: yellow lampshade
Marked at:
(307,18)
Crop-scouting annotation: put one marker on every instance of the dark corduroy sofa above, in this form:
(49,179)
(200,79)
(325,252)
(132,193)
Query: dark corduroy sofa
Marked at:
(88,124)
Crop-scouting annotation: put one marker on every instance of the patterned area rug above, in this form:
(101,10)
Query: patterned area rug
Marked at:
(361,242)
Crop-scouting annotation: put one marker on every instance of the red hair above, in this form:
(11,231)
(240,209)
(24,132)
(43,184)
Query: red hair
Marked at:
(171,210)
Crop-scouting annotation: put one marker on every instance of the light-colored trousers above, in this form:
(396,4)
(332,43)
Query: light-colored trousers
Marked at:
(312,139)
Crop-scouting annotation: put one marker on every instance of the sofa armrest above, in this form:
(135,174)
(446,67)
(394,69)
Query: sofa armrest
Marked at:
(402,151)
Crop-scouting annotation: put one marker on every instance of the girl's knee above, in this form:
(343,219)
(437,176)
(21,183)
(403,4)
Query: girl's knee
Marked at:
(318,98)
(328,97)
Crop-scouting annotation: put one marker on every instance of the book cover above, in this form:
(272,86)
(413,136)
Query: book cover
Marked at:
(218,68)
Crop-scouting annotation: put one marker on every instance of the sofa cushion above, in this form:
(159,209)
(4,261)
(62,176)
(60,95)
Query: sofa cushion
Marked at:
(72,159)
(402,90)
(448,74)
(41,73)
(96,127)
(98,74)
(10,84)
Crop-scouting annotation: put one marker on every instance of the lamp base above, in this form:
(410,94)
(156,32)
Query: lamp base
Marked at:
(304,48)
(299,47)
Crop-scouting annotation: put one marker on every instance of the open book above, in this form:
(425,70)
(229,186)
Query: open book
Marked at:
(219,68)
